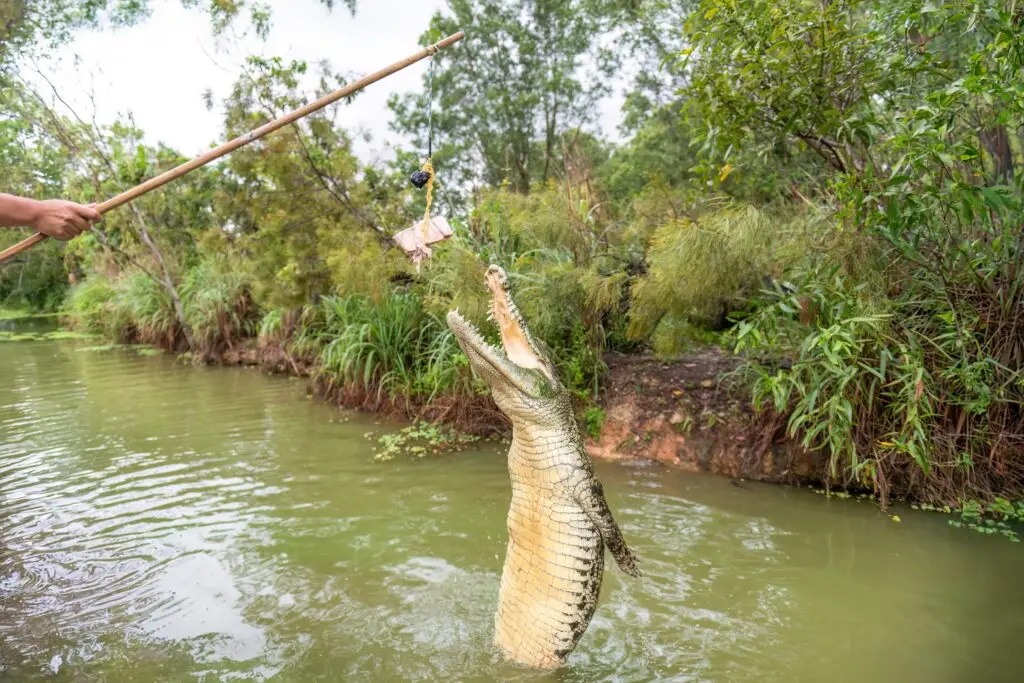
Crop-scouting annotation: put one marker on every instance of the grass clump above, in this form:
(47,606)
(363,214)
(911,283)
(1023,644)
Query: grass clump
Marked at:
(131,308)
(91,308)
(218,306)
(393,351)
(149,308)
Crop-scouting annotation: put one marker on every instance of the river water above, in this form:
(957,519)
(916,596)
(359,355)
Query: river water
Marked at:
(164,522)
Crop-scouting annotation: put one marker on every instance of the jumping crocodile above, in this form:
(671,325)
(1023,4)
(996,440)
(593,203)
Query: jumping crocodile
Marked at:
(559,521)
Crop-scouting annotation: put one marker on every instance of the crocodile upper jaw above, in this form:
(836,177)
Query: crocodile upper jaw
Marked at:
(519,364)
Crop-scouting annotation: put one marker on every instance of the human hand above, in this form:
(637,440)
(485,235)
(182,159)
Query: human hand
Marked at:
(63,220)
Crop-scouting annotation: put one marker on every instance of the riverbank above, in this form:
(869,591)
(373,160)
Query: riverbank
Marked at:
(689,413)
(685,413)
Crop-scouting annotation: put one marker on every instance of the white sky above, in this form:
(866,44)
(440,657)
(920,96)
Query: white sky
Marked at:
(159,70)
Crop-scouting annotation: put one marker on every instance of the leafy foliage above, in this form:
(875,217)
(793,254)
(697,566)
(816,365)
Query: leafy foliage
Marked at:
(694,262)
(908,375)
(393,350)
(218,306)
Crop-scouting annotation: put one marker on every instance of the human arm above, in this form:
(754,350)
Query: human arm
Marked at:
(55,218)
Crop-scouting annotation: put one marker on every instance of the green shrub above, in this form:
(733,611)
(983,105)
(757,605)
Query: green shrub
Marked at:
(148,306)
(36,280)
(593,419)
(919,393)
(271,326)
(218,307)
(394,350)
(842,374)
(699,268)
(565,270)
(90,307)
(674,336)
(131,308)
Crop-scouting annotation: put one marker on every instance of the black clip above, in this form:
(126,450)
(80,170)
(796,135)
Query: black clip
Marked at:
(420,178)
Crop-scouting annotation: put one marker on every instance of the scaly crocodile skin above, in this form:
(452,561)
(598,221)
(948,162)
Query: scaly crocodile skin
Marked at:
(558,520)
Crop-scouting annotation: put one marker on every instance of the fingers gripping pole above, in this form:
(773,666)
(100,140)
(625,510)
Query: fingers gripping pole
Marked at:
(256,134)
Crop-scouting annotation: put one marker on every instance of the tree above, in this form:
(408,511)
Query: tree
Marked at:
(97,162)
(33,165)
(304,210)
(841,78)
(532,70)
(47,154)
(908,362)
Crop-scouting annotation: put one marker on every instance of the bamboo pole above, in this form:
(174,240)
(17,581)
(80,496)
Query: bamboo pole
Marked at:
(243,140)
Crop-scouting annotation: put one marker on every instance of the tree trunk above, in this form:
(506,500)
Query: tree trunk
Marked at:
(996,141)
(524,175)
(165,281)
(549,141)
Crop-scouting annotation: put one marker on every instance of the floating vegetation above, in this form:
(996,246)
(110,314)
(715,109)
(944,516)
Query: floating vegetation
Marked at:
(16,336)
(1000,517)
(420,439)
(837,493)
(103,347)
(23,314)
(15,314)
(68,334)
(11,336)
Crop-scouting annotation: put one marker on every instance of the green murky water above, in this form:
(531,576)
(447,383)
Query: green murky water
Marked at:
(159,522)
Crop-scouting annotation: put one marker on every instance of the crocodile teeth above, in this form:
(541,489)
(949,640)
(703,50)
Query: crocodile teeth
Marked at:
(477,339)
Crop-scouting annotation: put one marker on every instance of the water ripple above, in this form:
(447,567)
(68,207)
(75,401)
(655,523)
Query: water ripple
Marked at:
(168,523)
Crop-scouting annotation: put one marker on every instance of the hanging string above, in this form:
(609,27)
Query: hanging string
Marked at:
(428,166)
(430,109)
(416,239)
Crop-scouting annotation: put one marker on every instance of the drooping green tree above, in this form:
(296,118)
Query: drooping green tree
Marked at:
(49,152)
(308,215)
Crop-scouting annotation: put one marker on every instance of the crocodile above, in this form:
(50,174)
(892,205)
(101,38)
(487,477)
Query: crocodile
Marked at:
(558,521)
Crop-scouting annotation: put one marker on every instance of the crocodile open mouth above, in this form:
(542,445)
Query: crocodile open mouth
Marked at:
(518,360)
(514,336)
